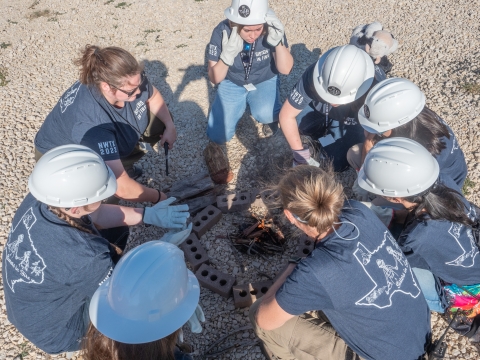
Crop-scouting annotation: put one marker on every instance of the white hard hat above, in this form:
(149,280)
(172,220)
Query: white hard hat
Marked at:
(150,294)
(398,167)
(247,12)
(343,74)
(71,175)
(389,104)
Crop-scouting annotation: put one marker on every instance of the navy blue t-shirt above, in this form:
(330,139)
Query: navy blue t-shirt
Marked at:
(83,116)
(50,271)
(445,248)
(263,64)
(452,160)
(360,279)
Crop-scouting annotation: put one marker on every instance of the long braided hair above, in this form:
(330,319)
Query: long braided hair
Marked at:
(73,222)
(116,252)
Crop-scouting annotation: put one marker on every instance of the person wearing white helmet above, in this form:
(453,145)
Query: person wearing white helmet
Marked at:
(396,107)
(246,53)
(325,102)
(354,296)
(64,243)
(436,235)
(138,313)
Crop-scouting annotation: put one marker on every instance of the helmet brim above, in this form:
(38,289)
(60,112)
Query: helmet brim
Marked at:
(346,99)
(367,125)
(128,331)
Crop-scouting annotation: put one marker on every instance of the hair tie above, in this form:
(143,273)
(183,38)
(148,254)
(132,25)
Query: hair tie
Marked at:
(96,52)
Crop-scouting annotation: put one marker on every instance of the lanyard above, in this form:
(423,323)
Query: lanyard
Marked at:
(326,107)
(247,58)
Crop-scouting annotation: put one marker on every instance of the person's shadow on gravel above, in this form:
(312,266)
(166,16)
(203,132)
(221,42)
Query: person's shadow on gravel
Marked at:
(267,157)
(188,115)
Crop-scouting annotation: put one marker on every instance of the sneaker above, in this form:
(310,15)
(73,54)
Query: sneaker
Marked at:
(134,172)
(270,130)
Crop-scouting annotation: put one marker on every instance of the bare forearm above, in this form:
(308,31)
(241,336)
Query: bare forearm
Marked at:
(283,60)
(129,189)
(158,106)
(110,216)
(367,145)
(269,315)
(279,282)
(217,72)
(289,127)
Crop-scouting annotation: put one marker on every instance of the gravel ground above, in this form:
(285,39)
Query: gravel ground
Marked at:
(439,47)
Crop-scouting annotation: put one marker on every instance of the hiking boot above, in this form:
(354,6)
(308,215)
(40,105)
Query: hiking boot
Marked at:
(134,172)
(270,130)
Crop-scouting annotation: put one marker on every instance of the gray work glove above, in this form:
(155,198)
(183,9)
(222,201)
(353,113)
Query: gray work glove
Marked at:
(276,30)
(384,214)
(194,321)
(231,46)
(163,215)
(176,237)
(303,157)
(360,193)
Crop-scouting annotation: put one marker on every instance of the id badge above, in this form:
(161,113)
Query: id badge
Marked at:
(326,140)
(145,146)
(250,87)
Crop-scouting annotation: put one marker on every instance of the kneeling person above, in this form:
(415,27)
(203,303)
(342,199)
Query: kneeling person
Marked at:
(357,285)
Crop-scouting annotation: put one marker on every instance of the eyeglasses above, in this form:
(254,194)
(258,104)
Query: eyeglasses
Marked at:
(134,90)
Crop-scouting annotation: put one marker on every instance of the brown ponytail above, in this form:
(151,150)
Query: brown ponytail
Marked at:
(97,346)
(313,194)
(110,65)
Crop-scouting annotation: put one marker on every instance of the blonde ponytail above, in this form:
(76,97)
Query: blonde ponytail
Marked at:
(313,194)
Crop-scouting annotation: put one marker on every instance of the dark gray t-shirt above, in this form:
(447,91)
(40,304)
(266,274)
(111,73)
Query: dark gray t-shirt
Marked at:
(360,279)
(304,93)
(451,159)
(83,116)
(263,64)
(445,248)
(50,271)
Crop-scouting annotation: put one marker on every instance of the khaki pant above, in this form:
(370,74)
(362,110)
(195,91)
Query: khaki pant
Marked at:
(354,156)
(151,135)
(305,337)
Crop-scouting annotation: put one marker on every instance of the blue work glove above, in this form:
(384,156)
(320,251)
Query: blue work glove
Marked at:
(303,157)
(176,237)
(276,30)
(163,215)
(194,322)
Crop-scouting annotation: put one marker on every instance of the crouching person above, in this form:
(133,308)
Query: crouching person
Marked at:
(354,296)
(64,243)
(139,312)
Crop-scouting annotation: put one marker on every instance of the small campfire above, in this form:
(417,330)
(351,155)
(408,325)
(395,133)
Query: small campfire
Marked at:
(260,238)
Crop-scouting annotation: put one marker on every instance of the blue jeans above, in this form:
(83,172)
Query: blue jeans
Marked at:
(427,284)
(230,104)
